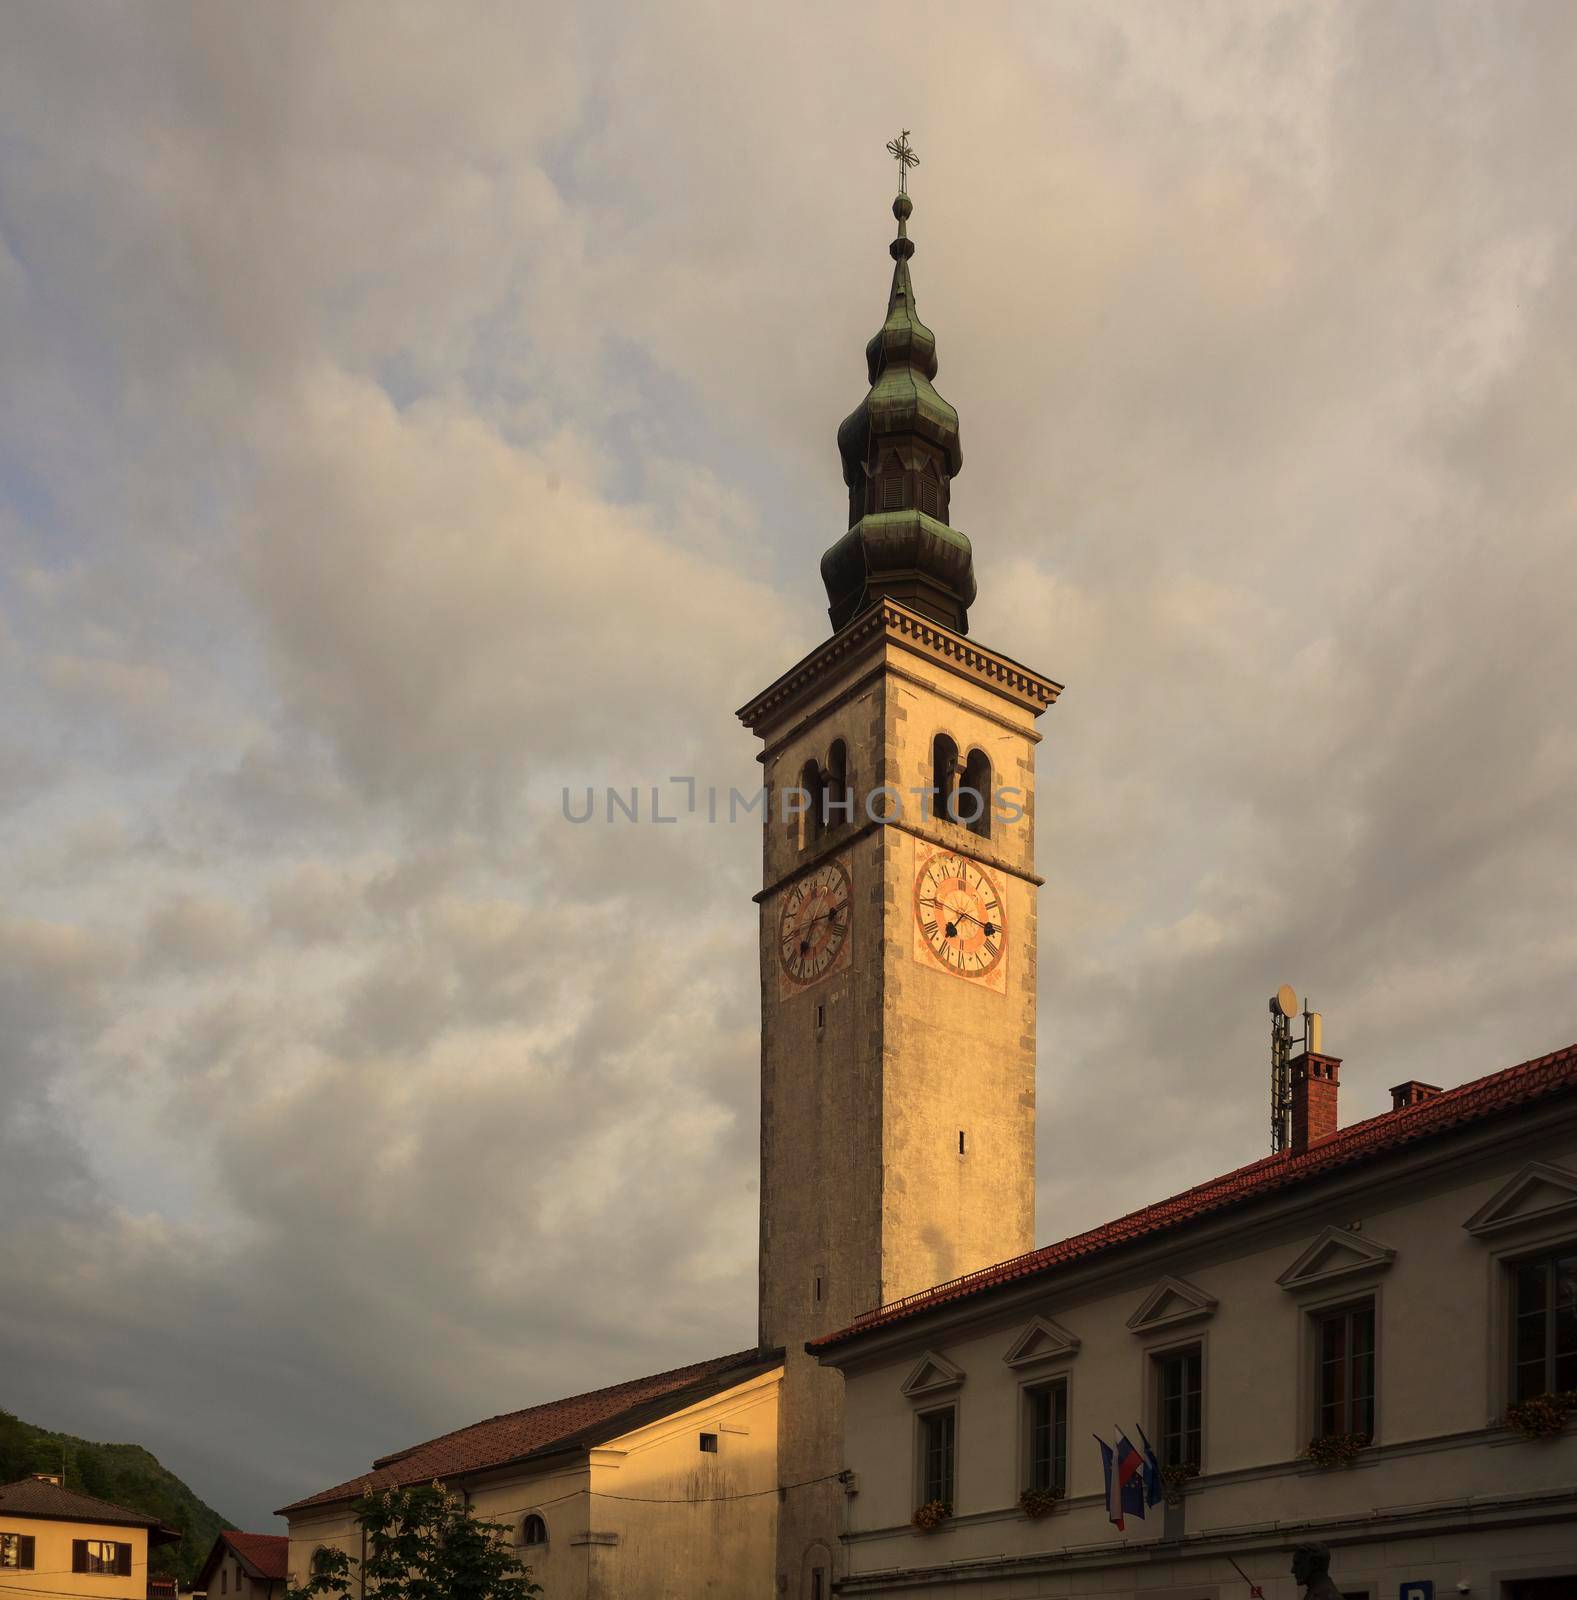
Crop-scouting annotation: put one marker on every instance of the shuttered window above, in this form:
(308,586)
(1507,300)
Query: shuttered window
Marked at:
(101,1555)
(16,1552)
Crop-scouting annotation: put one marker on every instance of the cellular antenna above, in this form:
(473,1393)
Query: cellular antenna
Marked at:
(1283,1008)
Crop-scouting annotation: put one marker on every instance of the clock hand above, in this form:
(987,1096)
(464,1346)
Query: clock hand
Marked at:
(804,943)
(987,928)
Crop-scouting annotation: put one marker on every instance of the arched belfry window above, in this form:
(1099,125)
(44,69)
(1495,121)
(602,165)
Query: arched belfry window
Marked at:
(810,820)
(838,782)
(974,796)
(533,1530)
(944,774)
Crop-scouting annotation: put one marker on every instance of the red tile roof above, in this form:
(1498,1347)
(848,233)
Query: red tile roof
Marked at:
(581,1420)
(1513,1089)
(268,1552)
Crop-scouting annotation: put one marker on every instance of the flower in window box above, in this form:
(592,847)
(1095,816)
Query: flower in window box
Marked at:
(931,1515)
(1337,1449)
(1040,1502)
(1174,1477)
(1542,1417)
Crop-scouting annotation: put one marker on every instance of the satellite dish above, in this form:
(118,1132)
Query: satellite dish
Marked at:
(1285,1001)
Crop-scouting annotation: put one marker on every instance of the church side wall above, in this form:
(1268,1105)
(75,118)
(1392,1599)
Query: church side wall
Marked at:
(558,1497)
(687,1523)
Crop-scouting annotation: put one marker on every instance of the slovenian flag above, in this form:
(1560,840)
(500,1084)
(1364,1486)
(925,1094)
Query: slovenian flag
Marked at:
(1114,1493)
(1129,1471)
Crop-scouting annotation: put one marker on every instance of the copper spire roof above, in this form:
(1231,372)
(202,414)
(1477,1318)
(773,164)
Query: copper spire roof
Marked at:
(900,452)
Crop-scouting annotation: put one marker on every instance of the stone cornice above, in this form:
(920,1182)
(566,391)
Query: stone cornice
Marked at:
(1376,1526)
(887,622)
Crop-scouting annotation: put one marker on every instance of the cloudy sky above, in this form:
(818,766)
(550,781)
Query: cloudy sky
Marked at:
(408,410)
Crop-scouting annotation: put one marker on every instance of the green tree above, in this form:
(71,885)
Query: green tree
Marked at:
(422,1544)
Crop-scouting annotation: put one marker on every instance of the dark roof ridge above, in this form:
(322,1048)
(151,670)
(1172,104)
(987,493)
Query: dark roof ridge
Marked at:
(716,1363)
(34,1496)
(515,1437)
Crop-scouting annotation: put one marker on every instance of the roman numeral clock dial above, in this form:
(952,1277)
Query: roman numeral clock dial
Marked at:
(813,926)
(960,917)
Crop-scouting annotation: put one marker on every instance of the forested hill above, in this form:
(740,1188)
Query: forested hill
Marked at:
(124,1473)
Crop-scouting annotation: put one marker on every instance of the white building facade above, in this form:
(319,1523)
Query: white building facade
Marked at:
(1394,1288)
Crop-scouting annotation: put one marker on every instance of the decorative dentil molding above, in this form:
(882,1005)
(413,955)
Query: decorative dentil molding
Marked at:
(934,1375)
(1171,1302)
(1335,1254)
(1540,1192)
(1043,1340)
(908,628)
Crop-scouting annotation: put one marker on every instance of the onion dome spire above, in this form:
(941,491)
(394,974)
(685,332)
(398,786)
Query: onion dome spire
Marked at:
(900,454)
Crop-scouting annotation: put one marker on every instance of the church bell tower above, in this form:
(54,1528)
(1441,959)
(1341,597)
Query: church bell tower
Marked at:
(897,925)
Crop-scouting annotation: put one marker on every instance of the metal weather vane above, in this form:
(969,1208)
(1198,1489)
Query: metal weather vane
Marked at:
(901,152)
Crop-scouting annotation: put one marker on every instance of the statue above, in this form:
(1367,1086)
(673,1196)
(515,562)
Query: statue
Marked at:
(1311,1566)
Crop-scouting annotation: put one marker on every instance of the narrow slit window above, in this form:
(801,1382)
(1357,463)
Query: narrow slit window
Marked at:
(960,1141)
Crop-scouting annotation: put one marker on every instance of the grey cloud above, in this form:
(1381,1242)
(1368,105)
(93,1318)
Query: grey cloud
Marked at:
(191,932)
(416,420)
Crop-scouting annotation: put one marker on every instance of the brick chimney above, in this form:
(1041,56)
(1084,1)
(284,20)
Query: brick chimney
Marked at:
(1315,1080)
(1412,1093)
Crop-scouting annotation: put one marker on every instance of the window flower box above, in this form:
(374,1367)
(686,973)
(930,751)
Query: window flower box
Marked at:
(931,1515)
(1542,1417)
(1337,1449)
(1037,1503)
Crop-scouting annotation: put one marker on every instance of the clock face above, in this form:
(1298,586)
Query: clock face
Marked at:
(813,927)
(960,916)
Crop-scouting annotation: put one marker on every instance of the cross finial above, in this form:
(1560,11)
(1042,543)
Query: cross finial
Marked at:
(901,152)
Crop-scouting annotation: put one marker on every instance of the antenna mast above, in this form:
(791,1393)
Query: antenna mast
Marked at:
(1283,1008)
